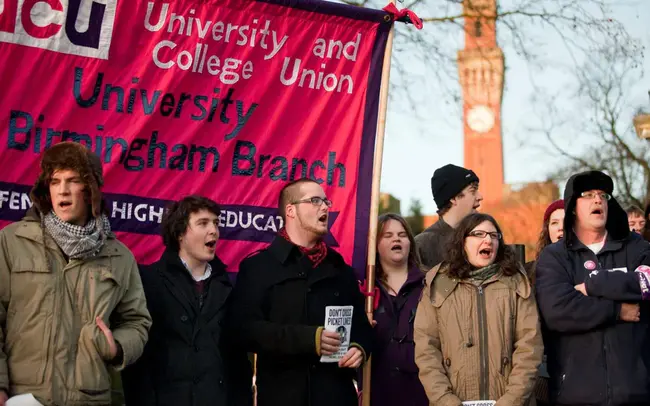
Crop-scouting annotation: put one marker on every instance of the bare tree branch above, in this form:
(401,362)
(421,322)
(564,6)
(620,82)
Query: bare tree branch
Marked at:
(603,86)
(427,58)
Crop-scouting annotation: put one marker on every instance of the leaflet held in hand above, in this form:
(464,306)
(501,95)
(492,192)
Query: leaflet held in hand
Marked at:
(338,319)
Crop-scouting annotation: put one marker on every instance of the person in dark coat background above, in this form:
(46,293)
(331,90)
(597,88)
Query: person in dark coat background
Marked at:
(399,281)
(279,308)
(552,231)
(189,360)
(598,345)
(646,231)
(636,219)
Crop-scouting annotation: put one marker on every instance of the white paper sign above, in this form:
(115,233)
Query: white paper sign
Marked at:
(23,400)
(479,403)
(338,319)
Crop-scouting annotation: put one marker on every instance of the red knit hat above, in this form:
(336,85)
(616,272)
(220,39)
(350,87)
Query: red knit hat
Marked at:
(558,204)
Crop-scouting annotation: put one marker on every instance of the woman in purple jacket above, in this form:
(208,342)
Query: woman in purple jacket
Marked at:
(399,277)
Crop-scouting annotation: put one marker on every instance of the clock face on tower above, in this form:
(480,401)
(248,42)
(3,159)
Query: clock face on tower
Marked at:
(480,118)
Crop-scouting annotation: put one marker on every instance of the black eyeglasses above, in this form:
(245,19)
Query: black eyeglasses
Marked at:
(592,195)
(316,201)
(481,234)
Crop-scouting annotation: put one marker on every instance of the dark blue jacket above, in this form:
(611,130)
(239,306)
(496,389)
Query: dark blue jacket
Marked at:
(594,358)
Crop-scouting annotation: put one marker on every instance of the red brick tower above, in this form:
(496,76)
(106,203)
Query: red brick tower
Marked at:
(480,69)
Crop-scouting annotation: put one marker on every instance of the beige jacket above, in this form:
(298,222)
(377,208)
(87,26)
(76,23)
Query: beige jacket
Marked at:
(477,343)
(52,345)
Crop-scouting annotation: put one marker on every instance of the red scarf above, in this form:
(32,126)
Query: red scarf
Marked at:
(316,254)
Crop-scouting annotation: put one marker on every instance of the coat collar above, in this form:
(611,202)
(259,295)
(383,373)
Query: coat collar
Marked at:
(415,278)
(611,244)
(445,285)
(443,225)
(282,249)
(286,253)
(180,283)
(172,262)
(439,226)
(416,275)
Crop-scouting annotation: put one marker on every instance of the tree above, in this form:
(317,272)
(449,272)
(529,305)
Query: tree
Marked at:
(427,58)
(415,218)
(520,216)
(389,204)
(603,89)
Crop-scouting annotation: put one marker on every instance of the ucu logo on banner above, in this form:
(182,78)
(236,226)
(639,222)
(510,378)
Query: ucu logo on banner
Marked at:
(76,27)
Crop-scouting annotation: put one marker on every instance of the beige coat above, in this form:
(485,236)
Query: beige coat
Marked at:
(52,345)
(477,343)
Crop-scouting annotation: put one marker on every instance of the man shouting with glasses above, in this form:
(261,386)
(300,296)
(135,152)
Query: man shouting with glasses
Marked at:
(279,308)
(590,291)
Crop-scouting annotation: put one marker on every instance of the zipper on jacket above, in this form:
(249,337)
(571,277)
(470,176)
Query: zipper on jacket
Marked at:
(483,347)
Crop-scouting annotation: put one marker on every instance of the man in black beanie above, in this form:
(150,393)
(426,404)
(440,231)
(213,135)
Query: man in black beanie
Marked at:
(455,191)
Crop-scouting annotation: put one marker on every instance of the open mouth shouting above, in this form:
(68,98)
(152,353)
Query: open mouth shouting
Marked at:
(211,244)
(322,219)
(485,253)
(397,247)
(598,211)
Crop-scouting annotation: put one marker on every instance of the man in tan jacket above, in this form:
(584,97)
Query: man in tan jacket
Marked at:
(71,299)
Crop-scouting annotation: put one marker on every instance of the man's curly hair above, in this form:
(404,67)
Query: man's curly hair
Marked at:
(70,156)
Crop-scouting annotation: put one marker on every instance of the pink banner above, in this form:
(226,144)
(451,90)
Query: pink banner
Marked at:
(227,99)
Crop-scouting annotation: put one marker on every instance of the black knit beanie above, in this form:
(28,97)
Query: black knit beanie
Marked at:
(448,181)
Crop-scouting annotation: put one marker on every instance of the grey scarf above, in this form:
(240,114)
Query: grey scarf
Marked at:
(78,242)
(479,276)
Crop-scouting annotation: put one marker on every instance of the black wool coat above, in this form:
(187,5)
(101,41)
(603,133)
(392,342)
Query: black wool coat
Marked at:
(189,359)
(278,305)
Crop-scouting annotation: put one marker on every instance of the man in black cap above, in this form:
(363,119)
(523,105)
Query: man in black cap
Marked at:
(455,191)
(589,289)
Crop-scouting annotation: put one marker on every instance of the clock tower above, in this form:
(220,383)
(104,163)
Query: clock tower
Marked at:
(480,69)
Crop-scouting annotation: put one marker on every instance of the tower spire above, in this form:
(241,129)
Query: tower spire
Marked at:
(481,73)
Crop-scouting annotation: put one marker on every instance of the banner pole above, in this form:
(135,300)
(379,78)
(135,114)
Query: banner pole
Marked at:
(374,199)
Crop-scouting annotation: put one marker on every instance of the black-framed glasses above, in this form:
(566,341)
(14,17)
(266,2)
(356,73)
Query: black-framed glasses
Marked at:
(316,201)
(592,195)
(481,234)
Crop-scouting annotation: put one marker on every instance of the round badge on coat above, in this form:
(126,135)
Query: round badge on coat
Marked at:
(590,265)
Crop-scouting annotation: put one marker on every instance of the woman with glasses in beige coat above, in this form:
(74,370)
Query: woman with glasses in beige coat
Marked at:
(477,334)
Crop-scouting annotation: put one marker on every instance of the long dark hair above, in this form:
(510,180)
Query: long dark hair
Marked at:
(544,237)
(413,258)
(458,265)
